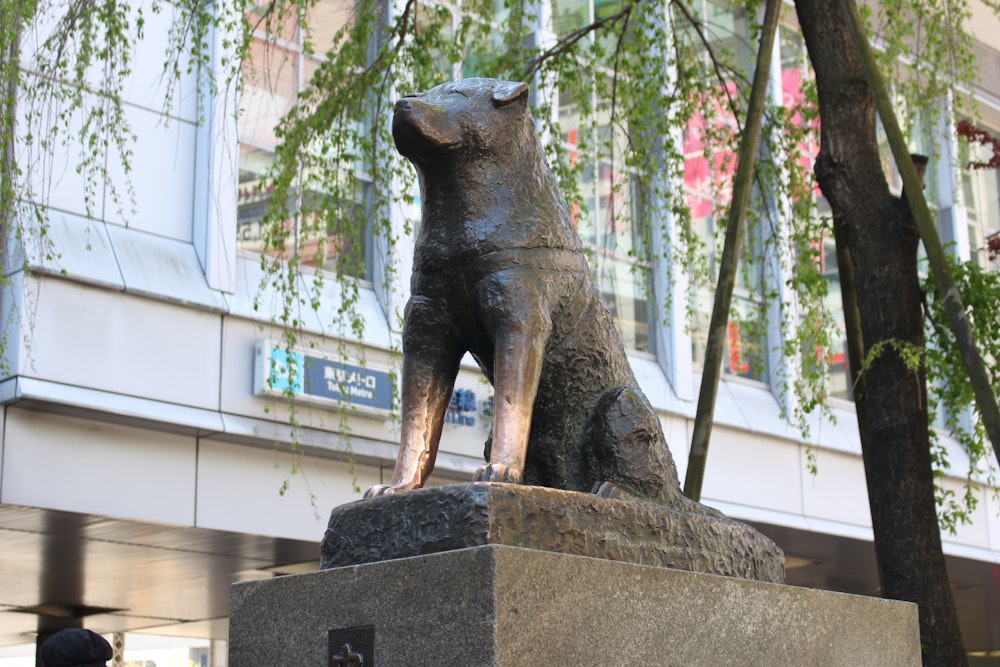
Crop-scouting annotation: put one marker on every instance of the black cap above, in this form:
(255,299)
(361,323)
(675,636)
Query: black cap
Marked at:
(75,647)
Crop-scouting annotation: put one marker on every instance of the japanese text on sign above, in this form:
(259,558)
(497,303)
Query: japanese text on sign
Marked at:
(317,378)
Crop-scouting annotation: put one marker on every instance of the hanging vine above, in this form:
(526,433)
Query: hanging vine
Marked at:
(653,89)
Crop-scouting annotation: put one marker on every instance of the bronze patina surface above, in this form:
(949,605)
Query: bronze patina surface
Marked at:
(499,271)
(457,516)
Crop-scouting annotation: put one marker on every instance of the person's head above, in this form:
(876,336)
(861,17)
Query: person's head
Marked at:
(75,647)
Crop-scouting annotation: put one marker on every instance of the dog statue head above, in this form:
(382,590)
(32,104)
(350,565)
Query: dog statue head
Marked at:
(473,118)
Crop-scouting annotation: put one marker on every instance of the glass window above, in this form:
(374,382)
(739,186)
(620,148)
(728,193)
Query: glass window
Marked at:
(746,333)
(284,53)
(710,155)
(981,197)
(483,34)
(838,366)
(795,75)
(608,210)
(915,121)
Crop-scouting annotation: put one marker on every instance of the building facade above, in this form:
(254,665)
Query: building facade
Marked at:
(146,461)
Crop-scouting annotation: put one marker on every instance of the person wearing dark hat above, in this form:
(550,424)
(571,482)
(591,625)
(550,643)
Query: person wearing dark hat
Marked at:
(75,647)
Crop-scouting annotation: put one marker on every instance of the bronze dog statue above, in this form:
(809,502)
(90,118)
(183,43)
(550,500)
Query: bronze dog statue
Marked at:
(499,271)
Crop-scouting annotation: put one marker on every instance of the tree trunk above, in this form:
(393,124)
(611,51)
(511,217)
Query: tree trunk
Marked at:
(881,240)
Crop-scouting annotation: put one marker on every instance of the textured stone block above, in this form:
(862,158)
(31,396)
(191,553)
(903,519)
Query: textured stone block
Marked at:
(458,516)
(501,606)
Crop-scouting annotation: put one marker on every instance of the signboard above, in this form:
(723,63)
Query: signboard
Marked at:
(314,377)
(461,408)
(317,378)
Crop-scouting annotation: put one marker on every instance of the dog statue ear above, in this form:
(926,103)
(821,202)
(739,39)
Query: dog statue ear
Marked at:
(507,92)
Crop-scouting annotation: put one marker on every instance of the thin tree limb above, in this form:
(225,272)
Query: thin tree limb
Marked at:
(712,367)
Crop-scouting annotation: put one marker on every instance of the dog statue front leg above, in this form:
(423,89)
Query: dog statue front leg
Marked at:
(430,364)
(518,361)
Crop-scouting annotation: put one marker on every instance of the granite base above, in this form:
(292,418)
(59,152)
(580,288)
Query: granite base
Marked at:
(504,606)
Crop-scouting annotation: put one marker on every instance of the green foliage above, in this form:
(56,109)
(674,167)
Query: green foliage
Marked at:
(951,401)
(641,80)
(928,51)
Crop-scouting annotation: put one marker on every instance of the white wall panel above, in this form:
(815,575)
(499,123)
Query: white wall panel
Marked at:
(728,411)
(239,490)
(985,24)
(756,404)
(256,298)
(753,470)
(216,172)
(162,175)
(468,441)
(119,343)
(838,491)
(42,26)
(3,438)
(976,533)
(76,465)
(51,172)
(146,87)
(333,323)
(162,268)
(16,304)
(842,435)
(239,340)
(83,251)
(992,519)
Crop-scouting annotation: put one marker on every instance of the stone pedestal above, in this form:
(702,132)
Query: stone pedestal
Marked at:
(685,536)
(502,606)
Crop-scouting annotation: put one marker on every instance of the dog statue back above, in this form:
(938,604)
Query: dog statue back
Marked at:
(499,271)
